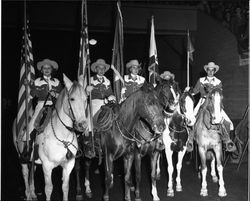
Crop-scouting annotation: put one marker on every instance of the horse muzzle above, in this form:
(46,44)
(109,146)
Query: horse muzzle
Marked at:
(81,126)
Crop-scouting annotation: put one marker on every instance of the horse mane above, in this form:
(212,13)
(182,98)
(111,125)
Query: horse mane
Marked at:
(60,98)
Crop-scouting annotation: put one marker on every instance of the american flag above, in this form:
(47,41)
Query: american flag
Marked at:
(84,44)
(153,60)
(117,57)
(27,72)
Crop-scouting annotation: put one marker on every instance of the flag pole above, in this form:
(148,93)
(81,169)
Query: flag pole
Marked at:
(26,79)
(152,22)
(187,59)
(88,78)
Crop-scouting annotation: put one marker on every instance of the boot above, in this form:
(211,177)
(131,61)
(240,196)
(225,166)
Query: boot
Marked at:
(190,142)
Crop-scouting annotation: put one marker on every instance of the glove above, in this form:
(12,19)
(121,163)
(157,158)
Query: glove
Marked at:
(112,98)
(187,89)
(89,88)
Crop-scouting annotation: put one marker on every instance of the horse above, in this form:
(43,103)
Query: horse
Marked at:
(57,144)
(118,138)
(207,136)
(168,93)
(175,137)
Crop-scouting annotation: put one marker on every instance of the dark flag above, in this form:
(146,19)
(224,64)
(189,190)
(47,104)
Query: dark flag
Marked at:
(84,45)
(27,72)
(117,58)
(153,60)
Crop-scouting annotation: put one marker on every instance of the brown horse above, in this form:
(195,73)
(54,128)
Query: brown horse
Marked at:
(118,138)
(207,135)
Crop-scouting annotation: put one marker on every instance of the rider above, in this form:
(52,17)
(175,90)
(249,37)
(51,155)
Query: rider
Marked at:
(100,88)
(132,81)
(46,88)
(201,87)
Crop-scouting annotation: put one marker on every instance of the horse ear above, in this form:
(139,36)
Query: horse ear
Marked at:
(68,83)
(81,81)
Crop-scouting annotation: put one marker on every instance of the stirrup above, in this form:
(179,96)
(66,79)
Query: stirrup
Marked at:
(190,146)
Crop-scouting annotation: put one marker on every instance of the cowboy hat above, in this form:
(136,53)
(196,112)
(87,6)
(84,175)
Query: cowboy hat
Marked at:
(49,62)
(167,75)
(133,63)
(99,62)
(211,65)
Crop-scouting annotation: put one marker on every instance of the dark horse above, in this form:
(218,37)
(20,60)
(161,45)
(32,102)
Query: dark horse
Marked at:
(117,137)
(207,135)
(168,93)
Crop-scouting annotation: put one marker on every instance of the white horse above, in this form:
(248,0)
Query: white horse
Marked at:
(207,135)
(58,143)
(175,137)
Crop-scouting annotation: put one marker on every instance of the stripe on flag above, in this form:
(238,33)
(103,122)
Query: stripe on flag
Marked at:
(153,60)
(27,68)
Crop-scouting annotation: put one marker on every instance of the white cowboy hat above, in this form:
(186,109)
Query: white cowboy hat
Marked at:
(100,62)
(133,63)
(167,75)
(49,62)
(211,65)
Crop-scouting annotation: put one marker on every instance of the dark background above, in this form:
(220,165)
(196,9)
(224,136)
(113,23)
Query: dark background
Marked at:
(55,34)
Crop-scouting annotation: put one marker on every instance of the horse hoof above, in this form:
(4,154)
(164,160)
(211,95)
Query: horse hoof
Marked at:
(204,193)
(178,188)
(106,198)
(89,194)
(156,199)
(170,193)
(222,193)
(79,197)
(137,199)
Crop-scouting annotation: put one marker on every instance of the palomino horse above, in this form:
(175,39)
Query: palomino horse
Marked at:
(58,142)
(207,135)
(167,91)
(118,137)
(175,137)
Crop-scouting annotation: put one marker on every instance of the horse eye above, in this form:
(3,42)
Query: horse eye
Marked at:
(72,99)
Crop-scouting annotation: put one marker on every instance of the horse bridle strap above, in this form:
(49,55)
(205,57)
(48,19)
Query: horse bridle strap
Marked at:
(65,143)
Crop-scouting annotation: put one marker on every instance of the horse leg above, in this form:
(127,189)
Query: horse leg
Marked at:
(47,171)
(169,154)
(108,173)
(218,155)
(88,191)
(154,160)
(137,175)
(67,168)
(25,172)
(128,160)
(213,172)
(32,182)
(202,153)
(158,167)
(78,183)
(178,168)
